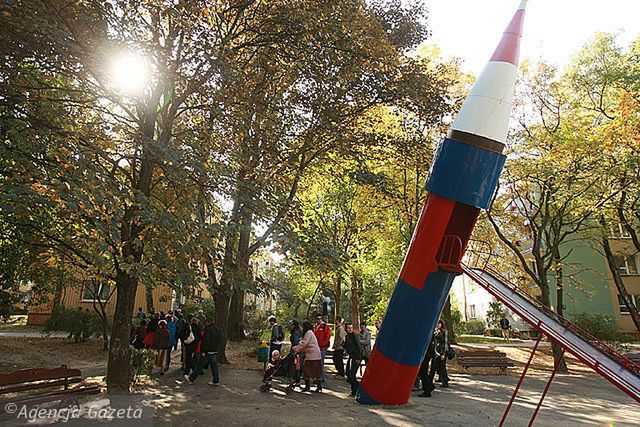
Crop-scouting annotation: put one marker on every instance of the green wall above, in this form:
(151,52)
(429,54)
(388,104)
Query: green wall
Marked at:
(586,288)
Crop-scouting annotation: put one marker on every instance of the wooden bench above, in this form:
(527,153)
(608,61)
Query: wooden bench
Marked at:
(47,383)
(484,359)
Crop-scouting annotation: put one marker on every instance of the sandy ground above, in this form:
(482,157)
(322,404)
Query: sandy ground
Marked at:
(475,398)
(22,353)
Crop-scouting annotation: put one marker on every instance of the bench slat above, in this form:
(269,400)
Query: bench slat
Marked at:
(37,374)
(39,385)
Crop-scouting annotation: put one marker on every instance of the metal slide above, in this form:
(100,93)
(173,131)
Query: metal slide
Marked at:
(613,366)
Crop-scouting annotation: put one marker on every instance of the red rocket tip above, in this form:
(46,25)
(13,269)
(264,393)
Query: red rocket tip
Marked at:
(508,49)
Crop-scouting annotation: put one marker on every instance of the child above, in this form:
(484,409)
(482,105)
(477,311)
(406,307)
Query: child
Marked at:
(272,367)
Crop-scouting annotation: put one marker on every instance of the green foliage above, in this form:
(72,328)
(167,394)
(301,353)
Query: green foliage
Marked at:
(601,326)
(141,363)
(494,314)
(456,319)
(206,305)
(474,327)
(255,324)
(80,325)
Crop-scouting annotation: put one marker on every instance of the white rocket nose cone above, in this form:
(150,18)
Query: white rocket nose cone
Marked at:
(486,110)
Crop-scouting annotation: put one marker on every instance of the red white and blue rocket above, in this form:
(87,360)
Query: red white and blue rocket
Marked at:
(463,178)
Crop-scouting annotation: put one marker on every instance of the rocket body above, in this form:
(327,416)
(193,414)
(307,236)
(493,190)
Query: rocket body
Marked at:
(462,180)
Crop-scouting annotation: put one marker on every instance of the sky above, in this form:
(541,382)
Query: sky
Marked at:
(553,29)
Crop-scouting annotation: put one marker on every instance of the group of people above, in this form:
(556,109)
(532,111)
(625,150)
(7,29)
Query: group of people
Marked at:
(199,341)
(196,334)
(310,343)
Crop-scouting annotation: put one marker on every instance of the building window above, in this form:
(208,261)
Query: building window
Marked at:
(620,231)
(623,307)
(472,311)
(92,290)
(626,265)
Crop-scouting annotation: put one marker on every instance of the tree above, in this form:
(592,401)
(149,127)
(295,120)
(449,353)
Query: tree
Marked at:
(547,187)
(494,314)
(603,80)
(297,99)
(116,156)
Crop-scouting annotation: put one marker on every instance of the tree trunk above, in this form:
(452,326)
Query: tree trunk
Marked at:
(617,279)
(558,353)
(355,303)
(222,299)
(57,296)
(131,226)
(296,312)
(149,296)
(243,278)
(338,293)
(118,374)
(559,281)
(446,315)
(236,320)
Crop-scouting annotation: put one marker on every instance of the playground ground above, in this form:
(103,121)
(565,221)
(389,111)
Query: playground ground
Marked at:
(479,398)
(472,400)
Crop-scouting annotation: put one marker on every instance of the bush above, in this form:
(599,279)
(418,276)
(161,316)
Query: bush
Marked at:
(474,327)
(255,323)
(601,326)
(141,363)
(456,320)
(80,325)
(207,306)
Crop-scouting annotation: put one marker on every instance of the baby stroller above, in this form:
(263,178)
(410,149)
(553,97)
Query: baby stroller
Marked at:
(280,368)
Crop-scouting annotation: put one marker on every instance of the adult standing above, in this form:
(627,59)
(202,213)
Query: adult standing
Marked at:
(139,334)
(439,364)
(323,335)
(180,322)
(354,350)
(171,327)
(141,314)
(312,367)
(182,328)
(338,349)
(295,337)
(425,378)
(365,341)
(377,325)
(208,353)
(277,336)
(161,345)
(201,317)
(191,344)
(505,326)
(152,325)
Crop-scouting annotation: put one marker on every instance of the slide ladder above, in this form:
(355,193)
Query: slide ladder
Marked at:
(616,368)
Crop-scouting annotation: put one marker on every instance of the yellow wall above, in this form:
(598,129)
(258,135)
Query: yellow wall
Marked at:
(72,298)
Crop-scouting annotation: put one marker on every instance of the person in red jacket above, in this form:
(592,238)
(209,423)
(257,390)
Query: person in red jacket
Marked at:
(323,335)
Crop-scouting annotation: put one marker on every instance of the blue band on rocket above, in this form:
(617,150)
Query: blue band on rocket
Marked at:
(409,323)
(465,173)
